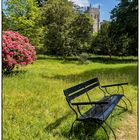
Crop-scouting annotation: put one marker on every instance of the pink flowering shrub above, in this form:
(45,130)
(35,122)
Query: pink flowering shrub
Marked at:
(16,50)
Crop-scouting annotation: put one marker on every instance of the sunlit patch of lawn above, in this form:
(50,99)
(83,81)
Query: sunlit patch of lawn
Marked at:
(34,106)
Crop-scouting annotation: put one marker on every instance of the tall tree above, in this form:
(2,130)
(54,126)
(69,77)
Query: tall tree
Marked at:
(124,26)
(56,17)
(81,33)
(102,42)
(66,29)
(23,17)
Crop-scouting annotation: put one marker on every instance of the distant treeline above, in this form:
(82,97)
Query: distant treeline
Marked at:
(58,27)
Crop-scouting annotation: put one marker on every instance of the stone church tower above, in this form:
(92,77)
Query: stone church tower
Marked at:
(95,14)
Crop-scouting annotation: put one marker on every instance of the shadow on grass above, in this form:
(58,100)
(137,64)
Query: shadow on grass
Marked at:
(56,124)
(85,131)
(90,130)
(43,57)
(114,60)
(82,130)
(124,74)
(105,60)
(14,73)
(99,59)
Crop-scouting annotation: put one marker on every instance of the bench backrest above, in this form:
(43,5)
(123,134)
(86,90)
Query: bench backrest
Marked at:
(75,91)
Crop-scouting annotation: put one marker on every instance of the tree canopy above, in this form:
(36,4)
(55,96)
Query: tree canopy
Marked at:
(62,28)
(66,30)
(23,16)
(124,26)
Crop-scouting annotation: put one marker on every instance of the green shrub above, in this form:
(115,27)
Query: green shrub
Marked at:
(83,57)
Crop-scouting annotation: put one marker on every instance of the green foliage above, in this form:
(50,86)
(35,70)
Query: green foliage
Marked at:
(124,27)
(56,17)
(23,16)
(83,57)
(102,43)
(66,30)
(4,22)
(120,36)
(58,27)
(80,33)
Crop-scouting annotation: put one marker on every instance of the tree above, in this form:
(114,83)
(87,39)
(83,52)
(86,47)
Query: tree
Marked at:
(102,42)
(56,18)
(66,30)
(5,23)
(81,33)
(23,16)
(124,27)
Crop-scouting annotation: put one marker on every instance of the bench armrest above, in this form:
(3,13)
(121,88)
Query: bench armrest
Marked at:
(114,85)
(88,103)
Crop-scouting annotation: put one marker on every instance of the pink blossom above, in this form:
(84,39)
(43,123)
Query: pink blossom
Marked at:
(11,53)
(23,63)
(14,61)
(16,49)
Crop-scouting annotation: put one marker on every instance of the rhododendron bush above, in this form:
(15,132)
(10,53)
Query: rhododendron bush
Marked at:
(16,50)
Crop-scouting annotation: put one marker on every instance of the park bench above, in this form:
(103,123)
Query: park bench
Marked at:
(100,110)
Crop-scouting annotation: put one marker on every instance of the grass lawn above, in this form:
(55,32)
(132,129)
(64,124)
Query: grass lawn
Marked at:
(34,106)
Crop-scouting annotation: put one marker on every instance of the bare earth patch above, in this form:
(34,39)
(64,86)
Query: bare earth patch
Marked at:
(128,129)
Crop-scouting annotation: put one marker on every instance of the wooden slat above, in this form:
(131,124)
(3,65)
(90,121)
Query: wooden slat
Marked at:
(79,86)
(71,97)
(107,109)
(107,112)
(94,110)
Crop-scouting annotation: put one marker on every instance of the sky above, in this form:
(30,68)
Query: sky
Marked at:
(105,6)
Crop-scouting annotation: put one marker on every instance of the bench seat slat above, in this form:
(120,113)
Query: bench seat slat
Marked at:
(115,99)
(96,112)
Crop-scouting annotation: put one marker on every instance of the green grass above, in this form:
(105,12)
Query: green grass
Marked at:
(34,106)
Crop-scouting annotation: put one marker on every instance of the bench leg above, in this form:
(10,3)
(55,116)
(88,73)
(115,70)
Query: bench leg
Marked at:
(100,124)
(111,130)
(127,100)
(126,108)
(129,103)
(71,128)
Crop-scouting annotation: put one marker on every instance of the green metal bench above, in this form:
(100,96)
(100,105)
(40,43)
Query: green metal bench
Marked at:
(101,109)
